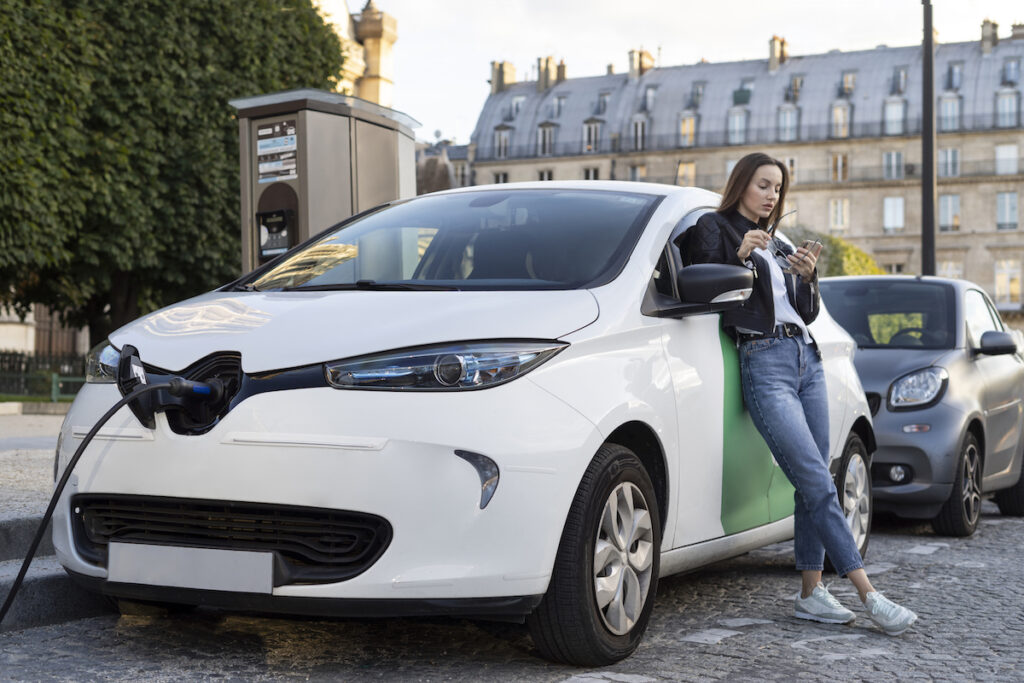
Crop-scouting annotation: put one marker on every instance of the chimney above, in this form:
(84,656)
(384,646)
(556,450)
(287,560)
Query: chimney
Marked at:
(1016,31)
(776,53)
(503,74)
(640,62)
(611,69)
(561,71)
(989,36)
(545,73)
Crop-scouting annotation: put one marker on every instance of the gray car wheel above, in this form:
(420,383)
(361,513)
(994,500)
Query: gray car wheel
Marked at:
(960,514)
(853,484)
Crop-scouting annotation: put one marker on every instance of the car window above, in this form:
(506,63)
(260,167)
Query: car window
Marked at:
(978,316)
(491,239)
(887,313)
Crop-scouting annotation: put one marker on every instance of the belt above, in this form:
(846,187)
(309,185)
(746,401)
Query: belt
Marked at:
(780,332)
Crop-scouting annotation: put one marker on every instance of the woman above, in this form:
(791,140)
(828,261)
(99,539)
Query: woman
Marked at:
(783,382)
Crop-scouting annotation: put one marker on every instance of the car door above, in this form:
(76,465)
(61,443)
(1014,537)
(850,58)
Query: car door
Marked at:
(737,465)
(1001,381)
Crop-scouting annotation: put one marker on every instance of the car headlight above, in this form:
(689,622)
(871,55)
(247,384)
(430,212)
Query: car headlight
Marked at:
(919,389)
(442,367)
(101,364)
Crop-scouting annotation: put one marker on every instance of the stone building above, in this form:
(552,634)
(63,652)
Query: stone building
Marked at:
(846,123)
(367,40)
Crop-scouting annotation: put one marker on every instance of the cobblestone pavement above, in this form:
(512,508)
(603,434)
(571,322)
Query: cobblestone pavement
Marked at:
(730,621)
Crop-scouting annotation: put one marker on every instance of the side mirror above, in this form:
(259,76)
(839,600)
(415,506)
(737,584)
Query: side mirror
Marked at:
(995,343)
(704,288)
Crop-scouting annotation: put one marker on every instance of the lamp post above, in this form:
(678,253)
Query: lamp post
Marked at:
(928,145)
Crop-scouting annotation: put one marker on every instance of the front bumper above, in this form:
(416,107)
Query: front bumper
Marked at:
(389,454)
(931,457)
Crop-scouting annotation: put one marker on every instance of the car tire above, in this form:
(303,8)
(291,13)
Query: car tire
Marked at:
(605,575)
(960,514)
(1011,500)
(853,486)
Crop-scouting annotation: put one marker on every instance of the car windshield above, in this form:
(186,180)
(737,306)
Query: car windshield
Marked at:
(893,314)
(488,239)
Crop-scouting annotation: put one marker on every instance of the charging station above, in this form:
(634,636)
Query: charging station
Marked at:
(311,158)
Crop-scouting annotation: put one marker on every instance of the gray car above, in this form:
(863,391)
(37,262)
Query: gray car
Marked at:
(944,380)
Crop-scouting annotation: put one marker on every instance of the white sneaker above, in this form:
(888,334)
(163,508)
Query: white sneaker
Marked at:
(821,606)
(887,615)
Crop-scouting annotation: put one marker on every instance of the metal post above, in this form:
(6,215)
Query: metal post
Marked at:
(928,145)
(54,387)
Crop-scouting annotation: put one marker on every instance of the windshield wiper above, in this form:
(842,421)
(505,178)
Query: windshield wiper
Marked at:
(247,287)
(371,285)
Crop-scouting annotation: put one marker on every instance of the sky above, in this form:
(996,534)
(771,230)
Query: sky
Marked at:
(445,47)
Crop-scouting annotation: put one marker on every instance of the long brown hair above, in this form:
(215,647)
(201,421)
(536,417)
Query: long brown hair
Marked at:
(740,178)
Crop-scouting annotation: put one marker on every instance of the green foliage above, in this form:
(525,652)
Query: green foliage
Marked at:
(128,199)
(885,325)
(838,257)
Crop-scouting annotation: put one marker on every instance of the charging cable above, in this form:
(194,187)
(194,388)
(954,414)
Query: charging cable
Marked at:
(176,387)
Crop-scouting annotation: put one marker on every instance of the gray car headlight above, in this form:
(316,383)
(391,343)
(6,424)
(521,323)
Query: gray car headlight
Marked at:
(442,367)
(101,364)
(919,389)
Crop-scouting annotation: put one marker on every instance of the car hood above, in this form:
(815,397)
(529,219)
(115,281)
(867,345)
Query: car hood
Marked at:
(275,330)
(879,367)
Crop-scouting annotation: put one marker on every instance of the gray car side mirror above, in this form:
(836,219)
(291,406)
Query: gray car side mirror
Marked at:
(995,343)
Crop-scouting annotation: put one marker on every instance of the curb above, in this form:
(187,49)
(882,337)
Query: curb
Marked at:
(34,408)
(47,596)
(16,535)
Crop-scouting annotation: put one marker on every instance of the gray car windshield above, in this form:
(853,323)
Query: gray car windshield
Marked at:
(491,239)
(893,314)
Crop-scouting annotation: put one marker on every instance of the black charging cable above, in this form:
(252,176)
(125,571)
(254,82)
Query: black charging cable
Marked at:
(176,387)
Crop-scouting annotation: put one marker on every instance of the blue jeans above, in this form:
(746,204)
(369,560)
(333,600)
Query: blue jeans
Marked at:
(784,389)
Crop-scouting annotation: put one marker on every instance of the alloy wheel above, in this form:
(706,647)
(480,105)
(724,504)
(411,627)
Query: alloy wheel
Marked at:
(972,484)
(857,498)
(623,558)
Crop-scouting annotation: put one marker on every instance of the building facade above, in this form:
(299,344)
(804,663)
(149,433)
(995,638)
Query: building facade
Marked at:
(846,123)
(367,40)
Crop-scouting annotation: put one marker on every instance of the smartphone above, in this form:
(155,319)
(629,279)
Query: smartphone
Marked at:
(813,246)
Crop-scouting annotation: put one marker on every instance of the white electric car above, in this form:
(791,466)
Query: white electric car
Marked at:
(501,402)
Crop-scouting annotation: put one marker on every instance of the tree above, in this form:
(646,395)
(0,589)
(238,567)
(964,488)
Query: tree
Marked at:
(838,257)
(142,209)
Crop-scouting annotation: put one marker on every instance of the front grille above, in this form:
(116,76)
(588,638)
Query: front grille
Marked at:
(874,402)
(313,545)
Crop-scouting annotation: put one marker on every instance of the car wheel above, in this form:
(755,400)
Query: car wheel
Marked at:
(605,576)
(959,515)
(853,485)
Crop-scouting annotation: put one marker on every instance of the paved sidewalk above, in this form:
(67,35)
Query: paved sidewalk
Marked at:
(27,444)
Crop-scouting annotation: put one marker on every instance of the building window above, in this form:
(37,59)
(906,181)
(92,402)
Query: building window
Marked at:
(892,220)
(461,175)
(591,173)
(1006,210)
(517,104)
(789,219)
(949,113)
(730,164)
(841,120)
(894,115)
(547,174)
(840,168)
(791,167)
(559,105)
(787,124)
(793,91)
(650,94)
(838,214)
(950,269)
(639,135)
(949,213)
(1006,159)
(899,80)
(893,268)
(1006,109)
(637,173)
(738,127)
(949,162)
(892,165)
(501,177)
(545,139)
(501,144)
(591,136)
(686,173)
(1008,282)
(602,102)
(848,83)
(956,76)
(697,93)
(1011,72)
(687,130)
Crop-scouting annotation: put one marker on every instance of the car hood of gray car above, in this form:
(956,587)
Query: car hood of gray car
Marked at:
(879,367)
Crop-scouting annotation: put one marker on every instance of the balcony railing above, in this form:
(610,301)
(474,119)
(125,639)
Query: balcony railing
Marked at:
(706,136)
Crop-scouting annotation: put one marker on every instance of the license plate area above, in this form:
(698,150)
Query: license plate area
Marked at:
(240,571)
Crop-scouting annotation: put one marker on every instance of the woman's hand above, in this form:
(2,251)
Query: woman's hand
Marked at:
(803,262)
(753,239)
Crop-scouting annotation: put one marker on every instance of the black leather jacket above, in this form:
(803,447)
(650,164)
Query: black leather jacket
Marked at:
(715,239)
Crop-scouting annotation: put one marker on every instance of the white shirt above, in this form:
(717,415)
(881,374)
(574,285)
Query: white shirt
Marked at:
(784,311)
